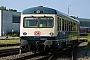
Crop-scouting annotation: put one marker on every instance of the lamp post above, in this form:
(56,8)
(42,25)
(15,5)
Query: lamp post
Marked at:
(12,32)
(68,9)
(3,33)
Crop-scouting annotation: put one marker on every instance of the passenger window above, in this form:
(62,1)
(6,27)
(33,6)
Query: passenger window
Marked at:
(74,27)
(62,24)
(58,24)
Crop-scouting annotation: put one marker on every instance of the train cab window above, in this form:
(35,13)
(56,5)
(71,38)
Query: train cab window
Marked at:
(38,22)
(50,23)
(45,22)
(29,22)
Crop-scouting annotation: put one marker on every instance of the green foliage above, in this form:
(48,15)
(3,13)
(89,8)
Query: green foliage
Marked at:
(12,10)
(74,36)
(88,37)
(15,41)
(4,8)
(14,34)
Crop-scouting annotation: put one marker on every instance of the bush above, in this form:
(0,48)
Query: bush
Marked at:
(88,37)
(14,34)
(74,35)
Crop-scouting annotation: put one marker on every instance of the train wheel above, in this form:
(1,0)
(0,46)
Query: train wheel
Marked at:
(29,48)
(34,51)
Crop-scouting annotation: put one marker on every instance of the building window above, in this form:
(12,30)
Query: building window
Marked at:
(15,19)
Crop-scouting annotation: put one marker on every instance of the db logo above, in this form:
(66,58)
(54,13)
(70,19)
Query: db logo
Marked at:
(37,33)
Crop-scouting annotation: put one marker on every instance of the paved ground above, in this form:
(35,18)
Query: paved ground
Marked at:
(9,37)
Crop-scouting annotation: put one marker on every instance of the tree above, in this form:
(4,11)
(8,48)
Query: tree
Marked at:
(12,10)
(4,8)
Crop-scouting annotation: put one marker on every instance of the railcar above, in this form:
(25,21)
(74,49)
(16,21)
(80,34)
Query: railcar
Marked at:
(42,28)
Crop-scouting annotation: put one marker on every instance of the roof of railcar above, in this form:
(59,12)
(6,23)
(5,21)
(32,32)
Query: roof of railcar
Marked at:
(45,10)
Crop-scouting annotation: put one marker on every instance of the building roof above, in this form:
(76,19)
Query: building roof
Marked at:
(83,19)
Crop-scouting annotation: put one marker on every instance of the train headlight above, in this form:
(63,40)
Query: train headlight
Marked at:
(24,33)
(51,33)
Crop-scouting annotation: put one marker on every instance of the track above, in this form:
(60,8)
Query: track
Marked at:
(8,52)
(34,56)
(66,53)
(43,55)
(60,53)
(38,56)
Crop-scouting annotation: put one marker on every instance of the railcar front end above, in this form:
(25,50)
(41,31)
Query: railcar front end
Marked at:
(38,31)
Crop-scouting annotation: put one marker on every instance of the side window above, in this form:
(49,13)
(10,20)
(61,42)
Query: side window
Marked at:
(57,23)
(74,27)
(77,27)
(64,24)
(60,23)
(67,25)
(70,25)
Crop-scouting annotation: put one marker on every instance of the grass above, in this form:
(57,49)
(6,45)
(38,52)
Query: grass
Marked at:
(15,41)
(88,37)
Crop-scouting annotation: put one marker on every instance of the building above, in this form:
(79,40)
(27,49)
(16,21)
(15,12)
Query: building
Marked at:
(9,22)
(84,22)
(84,25)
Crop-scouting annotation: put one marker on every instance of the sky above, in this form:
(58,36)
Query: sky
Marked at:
(80,8)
